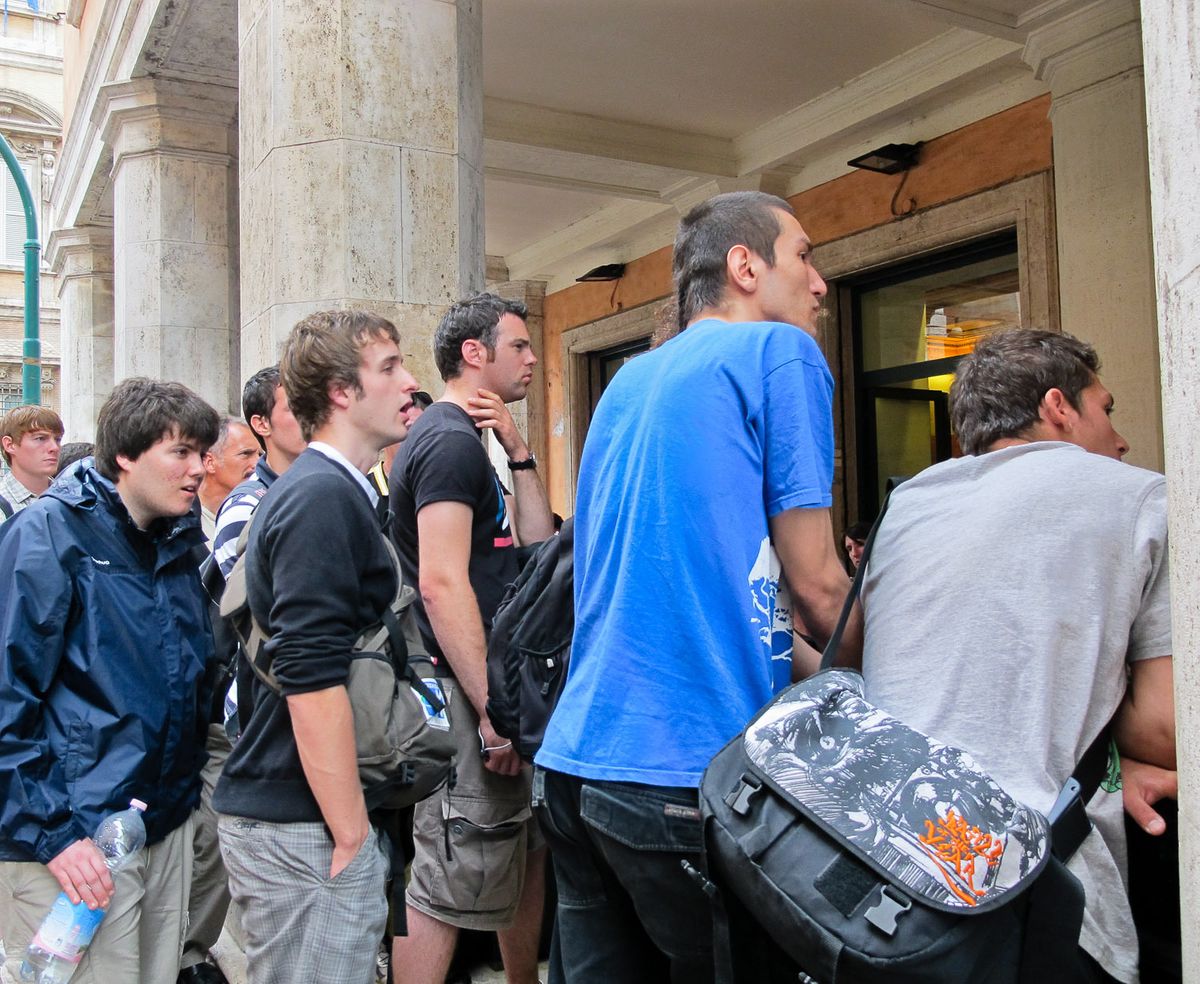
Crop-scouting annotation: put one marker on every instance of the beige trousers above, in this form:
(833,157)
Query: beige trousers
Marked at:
(141,937)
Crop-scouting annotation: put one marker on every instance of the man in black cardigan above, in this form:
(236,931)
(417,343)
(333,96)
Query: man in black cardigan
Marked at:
(303,860)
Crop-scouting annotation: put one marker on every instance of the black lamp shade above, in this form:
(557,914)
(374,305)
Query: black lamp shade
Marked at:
(889,159)
(609,271)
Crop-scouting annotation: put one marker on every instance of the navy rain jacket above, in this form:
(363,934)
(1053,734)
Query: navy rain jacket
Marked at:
(105,639)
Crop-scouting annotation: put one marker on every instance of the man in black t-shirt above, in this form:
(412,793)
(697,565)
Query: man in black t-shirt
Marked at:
(479,858)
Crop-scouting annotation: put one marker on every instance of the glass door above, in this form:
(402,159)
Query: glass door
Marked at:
(912,325)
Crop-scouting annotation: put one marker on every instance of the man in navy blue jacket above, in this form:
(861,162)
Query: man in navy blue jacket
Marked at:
(105,640)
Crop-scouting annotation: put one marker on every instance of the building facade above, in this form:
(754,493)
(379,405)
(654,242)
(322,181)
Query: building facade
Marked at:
(31,94)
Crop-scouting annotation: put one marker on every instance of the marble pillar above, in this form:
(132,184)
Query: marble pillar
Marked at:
(1092,60)
(174,232)
(361,165)
(1171,43)
(82,259)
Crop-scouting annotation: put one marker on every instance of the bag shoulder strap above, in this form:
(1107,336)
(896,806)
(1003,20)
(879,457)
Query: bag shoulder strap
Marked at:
(6,508)
(835,640)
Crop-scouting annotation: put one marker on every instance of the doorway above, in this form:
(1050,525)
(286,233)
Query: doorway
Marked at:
(912,324)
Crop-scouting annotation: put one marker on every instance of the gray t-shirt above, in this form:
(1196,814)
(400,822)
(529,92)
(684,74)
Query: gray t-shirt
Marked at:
(1004,596)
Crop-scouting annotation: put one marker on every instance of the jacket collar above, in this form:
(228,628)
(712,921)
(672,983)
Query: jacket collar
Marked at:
(83,488)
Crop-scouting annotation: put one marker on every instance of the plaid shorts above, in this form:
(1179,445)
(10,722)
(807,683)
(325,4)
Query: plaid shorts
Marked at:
(300,924)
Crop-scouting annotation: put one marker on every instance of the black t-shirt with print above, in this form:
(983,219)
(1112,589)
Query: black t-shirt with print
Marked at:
(443,460)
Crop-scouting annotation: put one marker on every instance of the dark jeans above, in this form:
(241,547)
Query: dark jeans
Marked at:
(627,911)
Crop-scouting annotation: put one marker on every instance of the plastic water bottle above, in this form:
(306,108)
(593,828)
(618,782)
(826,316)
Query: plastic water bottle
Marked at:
(65,933)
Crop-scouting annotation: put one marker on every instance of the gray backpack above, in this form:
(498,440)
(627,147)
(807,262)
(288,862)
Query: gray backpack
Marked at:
(401,724)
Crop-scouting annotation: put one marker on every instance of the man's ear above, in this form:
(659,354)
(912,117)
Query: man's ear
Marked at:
(260,425)
(209,460)
(8,444)
(339,395)
(124,462)
(740,268)
(1057,412)
(474,352)
(1057,417)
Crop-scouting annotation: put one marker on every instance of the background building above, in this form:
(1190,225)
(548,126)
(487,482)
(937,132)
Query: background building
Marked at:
(31,97)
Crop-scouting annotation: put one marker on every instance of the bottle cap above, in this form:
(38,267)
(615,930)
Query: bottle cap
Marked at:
(138,805)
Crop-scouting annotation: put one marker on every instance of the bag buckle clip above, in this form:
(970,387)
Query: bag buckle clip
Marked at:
(738,798)
(884,913)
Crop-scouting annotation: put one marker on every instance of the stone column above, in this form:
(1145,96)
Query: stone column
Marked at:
(82,259)
(530,413)
(1092,60)
(174,231)
(361,166)
(1171,41)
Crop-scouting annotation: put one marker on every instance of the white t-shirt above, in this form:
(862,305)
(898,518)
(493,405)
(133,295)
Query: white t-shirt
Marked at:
(1005,594)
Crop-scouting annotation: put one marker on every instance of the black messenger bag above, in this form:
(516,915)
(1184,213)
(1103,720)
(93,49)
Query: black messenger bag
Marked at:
(870,853)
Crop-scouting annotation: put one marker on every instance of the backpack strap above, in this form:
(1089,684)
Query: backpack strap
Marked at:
(835,640)
(235,609)
(6,508)
(395,633)
(235,606)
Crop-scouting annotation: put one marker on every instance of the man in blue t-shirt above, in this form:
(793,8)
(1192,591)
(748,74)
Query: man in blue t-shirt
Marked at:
(702,524)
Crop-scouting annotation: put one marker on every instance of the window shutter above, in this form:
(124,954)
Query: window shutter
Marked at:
(14,219)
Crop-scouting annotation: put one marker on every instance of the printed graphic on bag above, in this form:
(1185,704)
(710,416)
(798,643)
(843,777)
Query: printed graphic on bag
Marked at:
(917,809)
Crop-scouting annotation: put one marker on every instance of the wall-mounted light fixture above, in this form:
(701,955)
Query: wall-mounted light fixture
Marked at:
(602,274)
(889,159)
(892,159)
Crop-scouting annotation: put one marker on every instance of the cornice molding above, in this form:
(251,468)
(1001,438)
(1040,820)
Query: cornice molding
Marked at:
(582,185)
(31,61)
(209,110)
(31,104)
(65,244)
(553,252)
(936,65)
(1086,45)
(539,126)
(85,164)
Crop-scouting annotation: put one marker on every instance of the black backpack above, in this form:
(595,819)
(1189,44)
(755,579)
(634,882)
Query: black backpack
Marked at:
(530,644)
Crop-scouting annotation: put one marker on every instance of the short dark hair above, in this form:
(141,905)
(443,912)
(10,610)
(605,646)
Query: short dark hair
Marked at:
(858,532)
(140,412)
(258,398)
(72,452)
(475,317)
(323,350)
(998,389)
(422,399)
(706,235)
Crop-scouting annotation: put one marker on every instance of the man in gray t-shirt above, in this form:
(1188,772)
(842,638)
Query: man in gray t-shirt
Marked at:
(1017,599)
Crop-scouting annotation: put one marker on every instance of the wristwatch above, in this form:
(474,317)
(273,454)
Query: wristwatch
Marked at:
(530,462)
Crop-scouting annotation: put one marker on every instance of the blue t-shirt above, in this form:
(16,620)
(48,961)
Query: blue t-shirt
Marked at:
(683,625)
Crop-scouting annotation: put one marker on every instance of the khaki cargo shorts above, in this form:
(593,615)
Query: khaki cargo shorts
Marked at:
(471,840)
